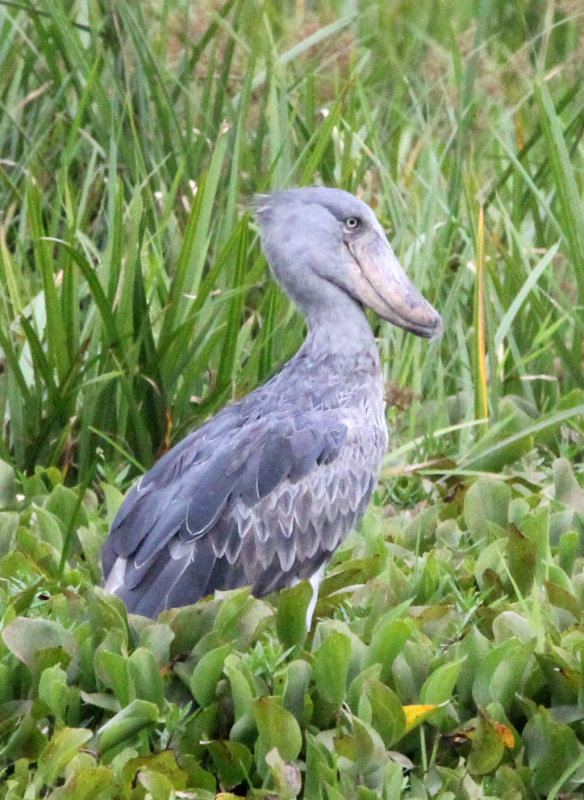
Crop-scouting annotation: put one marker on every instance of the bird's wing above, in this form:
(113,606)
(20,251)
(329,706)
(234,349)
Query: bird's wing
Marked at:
(261,504)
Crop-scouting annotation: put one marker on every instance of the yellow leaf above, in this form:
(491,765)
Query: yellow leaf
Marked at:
(416,714)
(505,734)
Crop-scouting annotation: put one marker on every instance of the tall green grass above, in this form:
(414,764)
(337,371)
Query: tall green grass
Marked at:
(134,299)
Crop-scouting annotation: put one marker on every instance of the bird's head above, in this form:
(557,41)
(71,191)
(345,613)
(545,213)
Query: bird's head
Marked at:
(314,234)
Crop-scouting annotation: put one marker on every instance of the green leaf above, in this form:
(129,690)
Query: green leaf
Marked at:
(439,686)
(58,753)
(499,676)
(487,747)
(551,748)
(7,485)
(146,677)
(386,642)
(331,666)
(28,638)
(276,728)
(139,714)
(295,697)
(207,673)
(486,501)
(387,716)
(53,690)
(291,616)
(113,670)
(232,761)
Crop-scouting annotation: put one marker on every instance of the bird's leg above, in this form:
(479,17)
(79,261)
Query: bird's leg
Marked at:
(314,581)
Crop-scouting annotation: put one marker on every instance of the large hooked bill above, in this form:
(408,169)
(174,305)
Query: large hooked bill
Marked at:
(380,283)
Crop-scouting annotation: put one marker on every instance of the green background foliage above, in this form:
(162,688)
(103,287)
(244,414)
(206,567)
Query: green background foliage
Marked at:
(445,657)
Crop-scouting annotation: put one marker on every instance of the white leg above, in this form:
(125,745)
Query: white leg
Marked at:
(314,581)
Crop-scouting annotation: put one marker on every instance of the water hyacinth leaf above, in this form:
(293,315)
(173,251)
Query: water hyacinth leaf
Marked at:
(49,528)
(387,641)
(113,670)
(487,748)
(486,501)
(503,443)
(295,698)
(286,775)
(364,746)
(64,504)
(7,485)
(8,526)
(146,677)
(65,743)
(559,597)
(551,748)
(241,688)
(53,690)
(137,716)
(28,638)
(569,549)
(331,666)
(439,686)
(207,673)
(277,728)
(348,574)
(499,676)
(416,714)
(158,786)
(490,569)
(387,716)
(509,625)
(291,615)
(566,488)
(319,767)
(232,761)
(521,558)
(157,639)
(89,782)
(163,764)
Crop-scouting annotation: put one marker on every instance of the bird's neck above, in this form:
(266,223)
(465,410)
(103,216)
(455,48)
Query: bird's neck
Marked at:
(338,328)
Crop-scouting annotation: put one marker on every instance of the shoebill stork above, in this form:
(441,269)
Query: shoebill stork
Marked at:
(264,492)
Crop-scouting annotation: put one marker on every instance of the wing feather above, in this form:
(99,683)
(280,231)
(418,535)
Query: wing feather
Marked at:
(262,503)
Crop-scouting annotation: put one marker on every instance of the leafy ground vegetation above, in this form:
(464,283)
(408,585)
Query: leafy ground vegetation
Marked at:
(446,656)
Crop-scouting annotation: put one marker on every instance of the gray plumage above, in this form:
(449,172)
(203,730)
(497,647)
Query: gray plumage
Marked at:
(266,490)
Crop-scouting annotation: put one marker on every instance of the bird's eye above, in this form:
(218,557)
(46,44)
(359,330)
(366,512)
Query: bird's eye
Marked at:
(352,223)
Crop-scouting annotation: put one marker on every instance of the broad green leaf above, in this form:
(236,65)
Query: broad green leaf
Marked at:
(146,677)
(487,746)
(331,666)
(7,485)
(277,728)
(486,501)
(386,713)
(53,690)
(58,753)
(387,641)
(27,638)
(291,616)
(439,686)
(207,673)
(232,761)
(113,670)
(295,697)
(551,748)
(499,676)
(137,716)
